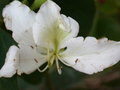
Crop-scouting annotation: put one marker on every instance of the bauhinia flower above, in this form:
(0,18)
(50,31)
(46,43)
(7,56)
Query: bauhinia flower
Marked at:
(50,37)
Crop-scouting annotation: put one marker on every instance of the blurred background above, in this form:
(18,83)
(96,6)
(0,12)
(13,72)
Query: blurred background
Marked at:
(99,18)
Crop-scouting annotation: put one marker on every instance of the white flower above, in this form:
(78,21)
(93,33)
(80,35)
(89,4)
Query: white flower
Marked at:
(48,36)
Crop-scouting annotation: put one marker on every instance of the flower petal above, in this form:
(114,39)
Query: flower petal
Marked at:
(91,55)
(72,25)
(51,25)
(11,62)
(30,60)
(46,18)
(19,19)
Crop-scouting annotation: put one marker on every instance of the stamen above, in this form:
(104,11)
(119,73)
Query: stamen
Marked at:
(76,60)
(48,52)
(32,47)
(58,67)
(36,60)
(44,69)
(51,61)
(38,66)
(63,61)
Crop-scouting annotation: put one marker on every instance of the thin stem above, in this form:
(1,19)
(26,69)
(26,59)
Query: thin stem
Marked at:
(43,69)
(37,3)
(25,2)
(58,67)
(49,83)
(63,61)
(95,20)
(48,53)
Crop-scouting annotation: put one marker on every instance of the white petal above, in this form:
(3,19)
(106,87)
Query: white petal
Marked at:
(30,60)
(72,25)
(11,62)
(19,19)
(50,25)
(91,55)
(73,28)
(46,17)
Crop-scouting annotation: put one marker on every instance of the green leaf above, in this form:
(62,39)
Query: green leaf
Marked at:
(118,3)
(67,79)
(108,27)
(109,7)
(5,42)
(8,84)
(25,2)
(31,81)
(33,78)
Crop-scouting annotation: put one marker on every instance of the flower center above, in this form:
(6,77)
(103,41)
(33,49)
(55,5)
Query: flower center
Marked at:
(53,56)
(54,37)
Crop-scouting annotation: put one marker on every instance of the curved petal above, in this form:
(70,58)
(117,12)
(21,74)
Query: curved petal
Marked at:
(72,25)
(30,60)
(50,25)
(91,55)
(46,18)
(19,19)
(73,28)
(11,62)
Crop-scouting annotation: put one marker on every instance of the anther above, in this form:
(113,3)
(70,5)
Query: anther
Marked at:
(32,47)
(35,45)
(76,60)
(60,67)
(35,60)
(14,59)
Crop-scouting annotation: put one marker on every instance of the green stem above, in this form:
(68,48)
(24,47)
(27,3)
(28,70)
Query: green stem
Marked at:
(49,84)
(37,3)
(25,2)
(95,20)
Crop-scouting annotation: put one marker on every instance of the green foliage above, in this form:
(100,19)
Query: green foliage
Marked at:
(108,27)
(108,7)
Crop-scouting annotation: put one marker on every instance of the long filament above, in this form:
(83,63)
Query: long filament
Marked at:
(44,69)
(58,67)
(48,51)
(63,61)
